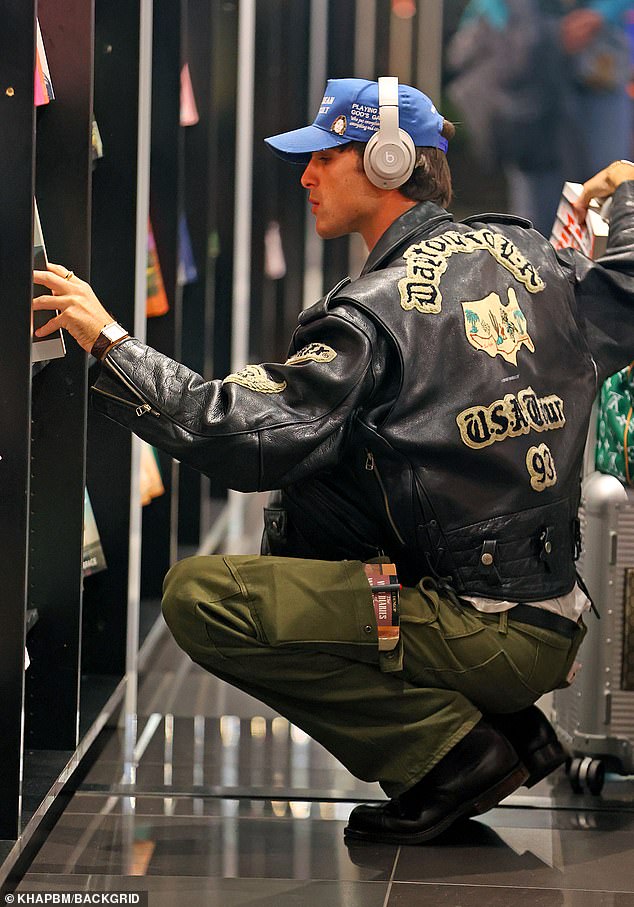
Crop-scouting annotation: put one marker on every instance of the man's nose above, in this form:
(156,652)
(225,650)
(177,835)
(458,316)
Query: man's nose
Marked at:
(308,176)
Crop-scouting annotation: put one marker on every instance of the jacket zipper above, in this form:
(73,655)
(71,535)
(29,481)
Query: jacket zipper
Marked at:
(145,407)
(140,410)
(370,465)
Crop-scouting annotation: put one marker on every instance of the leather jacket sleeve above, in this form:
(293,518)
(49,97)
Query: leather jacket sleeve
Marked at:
(604,289)
(259,428)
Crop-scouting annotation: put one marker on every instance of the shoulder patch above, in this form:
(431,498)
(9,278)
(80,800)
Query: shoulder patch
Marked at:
(314,352)
(255,378)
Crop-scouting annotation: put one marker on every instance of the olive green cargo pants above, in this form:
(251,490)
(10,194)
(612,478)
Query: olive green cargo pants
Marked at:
(301,636)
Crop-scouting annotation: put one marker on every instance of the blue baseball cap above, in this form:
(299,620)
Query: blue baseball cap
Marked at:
(349,112)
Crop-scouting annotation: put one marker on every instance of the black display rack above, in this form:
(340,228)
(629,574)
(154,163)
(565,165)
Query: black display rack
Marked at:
(53,445)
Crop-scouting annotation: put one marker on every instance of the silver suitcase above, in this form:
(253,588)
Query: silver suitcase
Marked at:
(595,715)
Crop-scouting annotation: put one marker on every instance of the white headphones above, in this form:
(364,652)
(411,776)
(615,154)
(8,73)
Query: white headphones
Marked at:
(390,154)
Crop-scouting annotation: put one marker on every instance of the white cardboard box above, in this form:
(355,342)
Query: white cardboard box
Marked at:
(590,238)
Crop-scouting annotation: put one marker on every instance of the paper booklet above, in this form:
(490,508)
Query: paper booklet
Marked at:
(51,347)
(590,238)
(93,560)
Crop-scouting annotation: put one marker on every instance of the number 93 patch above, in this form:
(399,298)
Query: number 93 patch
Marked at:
(541,467)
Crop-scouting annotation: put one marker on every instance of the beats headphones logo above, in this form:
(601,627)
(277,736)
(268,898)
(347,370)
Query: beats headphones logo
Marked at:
(390,154)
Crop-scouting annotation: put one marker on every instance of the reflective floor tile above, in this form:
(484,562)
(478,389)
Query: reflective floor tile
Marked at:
(195,807)
(478,854)
(229,846)
(556,791)
(588,818)
(229,754)
(412,895)
(166,891)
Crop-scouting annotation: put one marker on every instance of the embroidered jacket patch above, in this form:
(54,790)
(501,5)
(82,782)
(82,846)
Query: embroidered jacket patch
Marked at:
(314,352)
(514,415)
(427,262)
(496,328)
(255,378)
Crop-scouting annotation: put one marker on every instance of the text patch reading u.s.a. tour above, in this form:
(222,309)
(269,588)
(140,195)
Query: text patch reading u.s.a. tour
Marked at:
(515,414)
(427,262)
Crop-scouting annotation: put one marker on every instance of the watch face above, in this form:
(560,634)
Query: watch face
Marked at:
(113,332)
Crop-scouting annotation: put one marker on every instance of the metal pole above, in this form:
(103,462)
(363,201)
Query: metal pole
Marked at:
(242,221)
(140,294)
(317,75)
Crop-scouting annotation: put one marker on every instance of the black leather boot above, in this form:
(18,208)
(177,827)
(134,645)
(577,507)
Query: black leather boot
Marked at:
(534,739)
(473,777)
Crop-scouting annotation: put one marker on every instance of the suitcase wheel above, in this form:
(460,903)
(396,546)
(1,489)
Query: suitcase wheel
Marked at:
(586,774)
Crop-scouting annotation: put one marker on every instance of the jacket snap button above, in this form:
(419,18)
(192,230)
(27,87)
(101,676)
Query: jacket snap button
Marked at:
(487,559)
(367,628)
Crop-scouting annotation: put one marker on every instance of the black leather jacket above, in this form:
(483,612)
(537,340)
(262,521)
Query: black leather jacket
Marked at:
(435,409)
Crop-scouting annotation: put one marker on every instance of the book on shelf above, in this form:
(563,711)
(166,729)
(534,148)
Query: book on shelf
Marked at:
(93,558)
(51,347)
(590,238)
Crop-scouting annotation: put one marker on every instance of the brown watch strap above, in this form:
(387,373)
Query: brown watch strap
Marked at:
(102,345)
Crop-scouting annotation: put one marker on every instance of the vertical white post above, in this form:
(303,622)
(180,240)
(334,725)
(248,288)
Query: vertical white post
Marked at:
(400,52)
(365,40)
(140,295)
(430,49)
(242,222)
(317,75)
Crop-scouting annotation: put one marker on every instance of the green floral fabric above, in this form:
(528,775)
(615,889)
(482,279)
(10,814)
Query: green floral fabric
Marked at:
(615,436)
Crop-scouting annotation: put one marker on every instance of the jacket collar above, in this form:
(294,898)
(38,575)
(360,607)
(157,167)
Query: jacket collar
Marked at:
(416,222)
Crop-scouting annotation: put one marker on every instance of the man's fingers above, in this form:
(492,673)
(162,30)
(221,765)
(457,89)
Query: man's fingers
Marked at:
(55,282)
(50,327)
(64,272)
(47,303)
(603,185)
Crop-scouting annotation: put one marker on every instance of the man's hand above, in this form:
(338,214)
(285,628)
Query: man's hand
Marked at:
(603,185)
(80,312)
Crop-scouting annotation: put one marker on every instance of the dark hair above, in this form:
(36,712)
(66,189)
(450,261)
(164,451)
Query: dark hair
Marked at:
(431,178)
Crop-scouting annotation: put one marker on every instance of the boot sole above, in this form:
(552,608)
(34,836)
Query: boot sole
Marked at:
(474,807)
(544,761)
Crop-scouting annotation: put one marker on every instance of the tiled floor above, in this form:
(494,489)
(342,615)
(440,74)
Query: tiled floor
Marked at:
(233,806)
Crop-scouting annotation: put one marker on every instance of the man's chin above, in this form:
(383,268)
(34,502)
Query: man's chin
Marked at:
(325,232)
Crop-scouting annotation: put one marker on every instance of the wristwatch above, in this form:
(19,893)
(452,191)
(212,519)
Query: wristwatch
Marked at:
(110,335)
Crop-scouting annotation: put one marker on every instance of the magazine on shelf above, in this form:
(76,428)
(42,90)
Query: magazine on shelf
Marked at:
(95,141)
(156,303)
(43,84)
(151,480)
(187,270)
(51,347)
(590,238)
(93,558)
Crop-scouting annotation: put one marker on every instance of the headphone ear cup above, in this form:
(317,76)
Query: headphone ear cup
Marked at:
(387,164)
